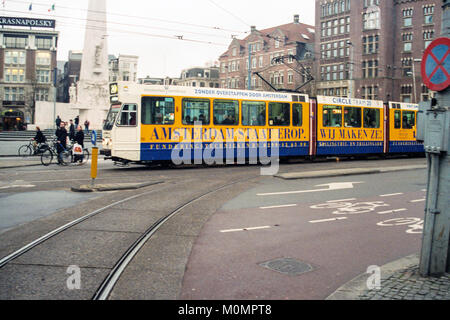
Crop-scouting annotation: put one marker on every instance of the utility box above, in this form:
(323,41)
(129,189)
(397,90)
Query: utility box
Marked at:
(421,120)
(437,127)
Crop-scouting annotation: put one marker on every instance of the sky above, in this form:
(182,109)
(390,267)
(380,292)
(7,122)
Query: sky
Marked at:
(150,29)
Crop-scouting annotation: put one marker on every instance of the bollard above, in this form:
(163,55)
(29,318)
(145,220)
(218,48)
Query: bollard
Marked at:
(94,164)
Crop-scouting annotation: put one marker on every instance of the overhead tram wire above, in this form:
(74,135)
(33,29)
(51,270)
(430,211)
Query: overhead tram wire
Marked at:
(73,26)
(125,24)
(131,16)
(230,13)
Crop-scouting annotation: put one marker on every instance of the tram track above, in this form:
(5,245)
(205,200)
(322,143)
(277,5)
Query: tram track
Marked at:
(108,283)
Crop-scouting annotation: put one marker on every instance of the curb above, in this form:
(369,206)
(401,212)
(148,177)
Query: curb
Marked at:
(343,172)
(355,287)
(114,187)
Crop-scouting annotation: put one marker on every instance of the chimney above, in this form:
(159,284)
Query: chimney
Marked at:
(252,28)
(296,18)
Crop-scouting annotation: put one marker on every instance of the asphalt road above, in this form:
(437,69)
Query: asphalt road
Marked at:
(339,233)
(203,254)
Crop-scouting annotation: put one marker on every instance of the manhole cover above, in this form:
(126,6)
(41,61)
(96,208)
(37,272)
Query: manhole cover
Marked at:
(287,266)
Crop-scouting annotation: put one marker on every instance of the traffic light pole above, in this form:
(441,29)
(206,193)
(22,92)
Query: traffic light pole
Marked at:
(434,129)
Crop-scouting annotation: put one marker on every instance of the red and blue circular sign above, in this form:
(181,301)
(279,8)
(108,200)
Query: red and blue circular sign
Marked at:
(436,65)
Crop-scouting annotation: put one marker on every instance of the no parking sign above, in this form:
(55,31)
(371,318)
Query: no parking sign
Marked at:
(436,65)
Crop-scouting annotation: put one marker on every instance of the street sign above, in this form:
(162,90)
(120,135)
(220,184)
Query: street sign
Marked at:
(436,65)
(94,138)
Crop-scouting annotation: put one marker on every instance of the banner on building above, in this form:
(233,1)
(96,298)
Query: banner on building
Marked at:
(27,22)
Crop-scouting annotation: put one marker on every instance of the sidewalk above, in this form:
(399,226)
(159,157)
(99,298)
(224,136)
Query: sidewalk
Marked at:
(400,280)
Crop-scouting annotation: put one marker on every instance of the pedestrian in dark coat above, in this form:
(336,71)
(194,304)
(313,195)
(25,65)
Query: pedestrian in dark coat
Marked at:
(61,136)
(79,138)
(71,131)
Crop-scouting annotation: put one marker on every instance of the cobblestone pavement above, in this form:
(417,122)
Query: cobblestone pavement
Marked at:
(407,284)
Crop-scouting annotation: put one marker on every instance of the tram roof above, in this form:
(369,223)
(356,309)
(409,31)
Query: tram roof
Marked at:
(403,106)
(342,101)
(143,89)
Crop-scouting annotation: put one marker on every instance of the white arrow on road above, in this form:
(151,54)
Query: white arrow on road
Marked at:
(330,187)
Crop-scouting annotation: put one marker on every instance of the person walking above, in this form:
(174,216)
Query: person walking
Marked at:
(77,121)
(79,138)
(61,136)
(86,126)
(71,131)
(58,122)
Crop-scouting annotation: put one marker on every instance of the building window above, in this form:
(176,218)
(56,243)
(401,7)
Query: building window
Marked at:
(43,76)
(15,75)
(370,44)
(371,19)
(370,92)
(407,46)
(43,42)
(290,77)
(15,57)
(407,22)
(43,59)
(41,94)
(428,19)
(370,69)
(19,42)
(14,94)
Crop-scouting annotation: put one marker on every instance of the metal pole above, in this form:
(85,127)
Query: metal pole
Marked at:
(55,73)
(249,82)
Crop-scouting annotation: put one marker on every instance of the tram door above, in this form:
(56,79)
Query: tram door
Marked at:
(126,137)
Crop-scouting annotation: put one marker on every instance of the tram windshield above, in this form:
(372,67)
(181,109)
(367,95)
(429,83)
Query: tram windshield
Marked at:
(111,118)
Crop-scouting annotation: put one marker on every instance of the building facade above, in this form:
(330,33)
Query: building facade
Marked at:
(282,56)
(123,68)
(372,49)
(27,60)
(207,77)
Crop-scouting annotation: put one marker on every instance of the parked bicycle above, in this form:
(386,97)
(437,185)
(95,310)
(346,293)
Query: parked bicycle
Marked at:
(32,149)
(66,157)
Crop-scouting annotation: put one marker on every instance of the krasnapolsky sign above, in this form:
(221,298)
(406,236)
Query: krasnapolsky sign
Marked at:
(27,22)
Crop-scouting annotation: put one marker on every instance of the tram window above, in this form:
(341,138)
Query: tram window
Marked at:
(352,117)
(297,115)
(253,113)
(332,116)
(279,114)
(226,112)
(409,119)
(128,115)
(371,118)
(195,110)
(158,110)
(397,119)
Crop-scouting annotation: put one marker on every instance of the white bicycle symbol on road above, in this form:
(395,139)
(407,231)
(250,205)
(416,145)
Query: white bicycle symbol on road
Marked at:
(415,224)
(351,208)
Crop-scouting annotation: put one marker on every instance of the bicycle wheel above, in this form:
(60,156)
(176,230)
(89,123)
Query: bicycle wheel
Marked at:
(25,151)
(65,158)
(47,157)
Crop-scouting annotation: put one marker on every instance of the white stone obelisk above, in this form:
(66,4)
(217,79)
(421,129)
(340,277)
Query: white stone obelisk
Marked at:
(93,90)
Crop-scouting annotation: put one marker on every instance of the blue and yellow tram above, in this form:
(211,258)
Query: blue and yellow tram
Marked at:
(148,124)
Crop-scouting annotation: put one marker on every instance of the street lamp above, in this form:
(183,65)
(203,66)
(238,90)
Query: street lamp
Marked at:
(350,87)
(414,78)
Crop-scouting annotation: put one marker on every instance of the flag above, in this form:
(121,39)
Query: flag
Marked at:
(30,7)
(52,8)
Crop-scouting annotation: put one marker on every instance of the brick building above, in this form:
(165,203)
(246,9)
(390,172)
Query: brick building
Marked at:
(265,46)
(372,48)
(27,61)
